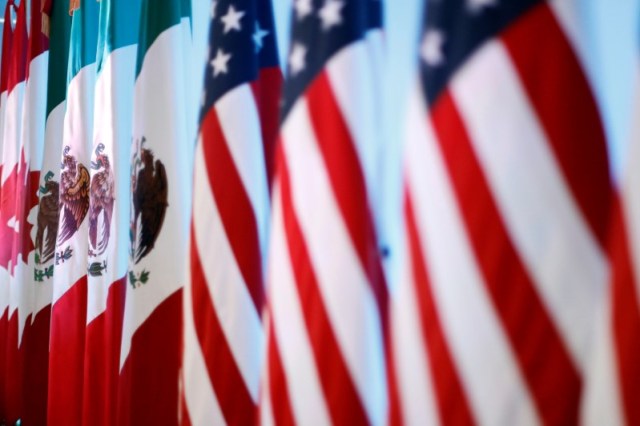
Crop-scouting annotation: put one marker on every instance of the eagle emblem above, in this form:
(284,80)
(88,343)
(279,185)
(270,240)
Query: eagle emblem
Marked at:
(47,218)
(102,199)
(74,195)
(149,188)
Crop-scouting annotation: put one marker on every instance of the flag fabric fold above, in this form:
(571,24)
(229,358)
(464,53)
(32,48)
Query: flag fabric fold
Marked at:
(327,293)
(34,334)
(108,214)
(160,178)
(506,204)
(69,307)
(10,221)
(224,298)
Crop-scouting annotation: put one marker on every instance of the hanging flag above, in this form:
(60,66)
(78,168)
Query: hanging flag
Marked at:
(35,337)
(327,294)
(7,43)
(9,221)
(109,207)
(506,204)
(224,298)
(613,383)
(161,179)
(7,36)
(69,307)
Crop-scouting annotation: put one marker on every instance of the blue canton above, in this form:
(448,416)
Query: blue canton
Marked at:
(242,40)
(320,29)
(455,29)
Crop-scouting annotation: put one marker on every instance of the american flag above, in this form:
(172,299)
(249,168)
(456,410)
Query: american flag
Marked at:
(506,204)
(327,296)
(224,336)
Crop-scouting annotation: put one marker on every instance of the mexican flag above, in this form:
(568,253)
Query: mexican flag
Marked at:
(56,23)
(35,336)
(69,307)
(9,220)
(7,42)
(161,176)
(109,207)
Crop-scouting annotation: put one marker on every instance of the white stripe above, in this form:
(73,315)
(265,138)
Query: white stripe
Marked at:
(228,292)
(554,242)
(240,125)
(417,396)
(601,403)
(265,406)
(200,400)
(305,393)
(631,195)
(346,294)
(353,86)
(480,349)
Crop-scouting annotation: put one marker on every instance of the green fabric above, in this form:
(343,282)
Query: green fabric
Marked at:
(156,17)
(84,37)
(60,24)
(119,21)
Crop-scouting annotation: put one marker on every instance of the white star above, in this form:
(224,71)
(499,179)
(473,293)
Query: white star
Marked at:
(431,49)
(232,19)
(303,8)
(214,4)
(258,35)
(297,61)
(220,62)
(477,5)
(330,14)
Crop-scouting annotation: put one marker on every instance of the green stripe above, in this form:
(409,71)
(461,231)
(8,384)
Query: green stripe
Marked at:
(119,21)
(58,54)
(156,17)
(84,37)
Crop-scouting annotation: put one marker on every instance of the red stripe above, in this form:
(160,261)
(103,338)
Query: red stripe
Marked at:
(350,189)
(102,360)
(232,201)
(453,406)
(148,389)
(38,42)
(4,319)
(37,368)
(66,356)
(348,182)
(7,43)
(231,391)
(18,70)
(550,374)
(345,407)
(626,320)
(278,389)
(266,90)
(13,379)
(564,104)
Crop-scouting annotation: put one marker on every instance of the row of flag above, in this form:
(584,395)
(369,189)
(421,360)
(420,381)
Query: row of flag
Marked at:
(164,266)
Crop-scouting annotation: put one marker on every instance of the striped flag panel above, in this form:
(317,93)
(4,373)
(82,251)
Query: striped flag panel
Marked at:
(506,206)
(327,338)
(225,299)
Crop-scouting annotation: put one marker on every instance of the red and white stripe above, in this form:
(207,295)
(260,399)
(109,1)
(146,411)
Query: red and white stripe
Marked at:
(224,338)
(327,294)
(506,207)
(613,385)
